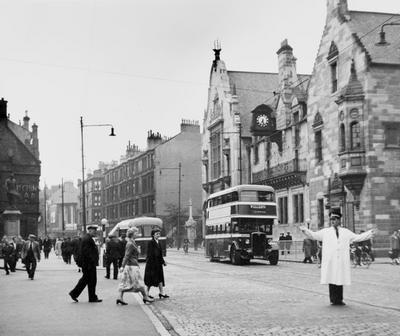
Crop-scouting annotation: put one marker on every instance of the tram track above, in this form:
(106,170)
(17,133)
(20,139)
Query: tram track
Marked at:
(292,286)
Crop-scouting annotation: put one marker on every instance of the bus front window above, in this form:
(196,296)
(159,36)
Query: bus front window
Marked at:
(249,225)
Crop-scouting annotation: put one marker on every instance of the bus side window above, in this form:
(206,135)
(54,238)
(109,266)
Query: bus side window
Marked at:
(220,228)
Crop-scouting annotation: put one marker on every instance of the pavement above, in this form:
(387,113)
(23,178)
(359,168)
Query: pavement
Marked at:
(43,306)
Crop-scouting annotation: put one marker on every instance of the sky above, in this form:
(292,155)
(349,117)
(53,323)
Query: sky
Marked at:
(139,65)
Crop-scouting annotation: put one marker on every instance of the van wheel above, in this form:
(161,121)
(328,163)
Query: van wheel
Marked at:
(234,256)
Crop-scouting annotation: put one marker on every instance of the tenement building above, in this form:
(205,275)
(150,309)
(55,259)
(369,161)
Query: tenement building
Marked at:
(94,183)
(19,176)
(61,209)
(156,181)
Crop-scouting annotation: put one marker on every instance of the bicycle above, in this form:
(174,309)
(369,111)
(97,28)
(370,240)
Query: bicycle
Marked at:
(360,257)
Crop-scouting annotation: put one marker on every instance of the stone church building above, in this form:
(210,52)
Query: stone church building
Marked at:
(19,157)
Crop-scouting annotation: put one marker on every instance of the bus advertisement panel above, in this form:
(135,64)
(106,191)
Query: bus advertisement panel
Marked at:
(145,225)
(239,224)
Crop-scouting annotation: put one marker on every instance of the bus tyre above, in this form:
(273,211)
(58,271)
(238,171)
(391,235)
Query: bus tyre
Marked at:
(273,258)
(235,256)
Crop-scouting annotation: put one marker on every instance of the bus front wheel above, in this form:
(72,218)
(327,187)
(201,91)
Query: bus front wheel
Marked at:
(273,257)
(235,256)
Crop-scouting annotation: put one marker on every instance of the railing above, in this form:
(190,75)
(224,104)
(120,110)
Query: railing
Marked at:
(290,250)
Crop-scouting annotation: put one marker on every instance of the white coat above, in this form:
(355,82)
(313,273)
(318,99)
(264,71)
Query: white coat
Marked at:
(335,265)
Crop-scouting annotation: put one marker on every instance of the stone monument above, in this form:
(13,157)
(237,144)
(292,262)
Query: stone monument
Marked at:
(190,225)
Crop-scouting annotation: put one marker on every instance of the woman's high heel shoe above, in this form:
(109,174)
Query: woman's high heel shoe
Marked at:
(121,302)
(161,296)
(148,300)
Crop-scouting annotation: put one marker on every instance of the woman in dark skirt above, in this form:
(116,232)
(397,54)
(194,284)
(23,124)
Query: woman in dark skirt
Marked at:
(154,274)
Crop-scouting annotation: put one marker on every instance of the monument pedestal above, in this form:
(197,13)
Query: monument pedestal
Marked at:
(11,222)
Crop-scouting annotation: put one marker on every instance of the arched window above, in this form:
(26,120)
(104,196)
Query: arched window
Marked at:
(332,59)
(317,125)
(355,135)
(342,138)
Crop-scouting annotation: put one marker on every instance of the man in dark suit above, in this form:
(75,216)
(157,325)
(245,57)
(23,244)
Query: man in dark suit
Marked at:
(7,252)
(46,247)
(88,260)
(113,254)
(31,255)
(122,244)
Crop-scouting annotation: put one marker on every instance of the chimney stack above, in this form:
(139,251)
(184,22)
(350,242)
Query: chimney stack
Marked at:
(3,110)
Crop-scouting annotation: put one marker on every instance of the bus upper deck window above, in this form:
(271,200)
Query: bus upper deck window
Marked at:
(265,196)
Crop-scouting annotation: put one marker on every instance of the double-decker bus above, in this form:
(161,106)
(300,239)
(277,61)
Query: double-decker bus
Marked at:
(145,225)
(239,223)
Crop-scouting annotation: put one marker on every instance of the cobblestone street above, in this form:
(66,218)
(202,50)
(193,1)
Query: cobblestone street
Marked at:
(206,299)
(260,299)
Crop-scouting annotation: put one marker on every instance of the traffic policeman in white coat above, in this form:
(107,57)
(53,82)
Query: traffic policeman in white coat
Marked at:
(335,265)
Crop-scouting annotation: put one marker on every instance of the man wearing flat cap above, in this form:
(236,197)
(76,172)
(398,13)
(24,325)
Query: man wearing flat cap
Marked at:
(88,260)
(30,254)
(335,265)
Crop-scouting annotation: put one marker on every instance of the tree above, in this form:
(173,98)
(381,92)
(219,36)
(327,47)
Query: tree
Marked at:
(170,220)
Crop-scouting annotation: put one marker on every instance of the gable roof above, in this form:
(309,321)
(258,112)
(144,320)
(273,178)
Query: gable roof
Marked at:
(256,88)
(361,23)
(252,89)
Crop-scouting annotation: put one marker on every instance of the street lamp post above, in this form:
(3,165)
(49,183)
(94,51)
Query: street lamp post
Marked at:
(83,168)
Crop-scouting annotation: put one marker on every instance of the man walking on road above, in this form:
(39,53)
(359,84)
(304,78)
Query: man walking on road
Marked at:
(335,267)
(30,255)
(88,260)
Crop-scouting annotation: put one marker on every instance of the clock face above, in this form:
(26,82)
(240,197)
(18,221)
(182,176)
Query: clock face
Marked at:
(262,120)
